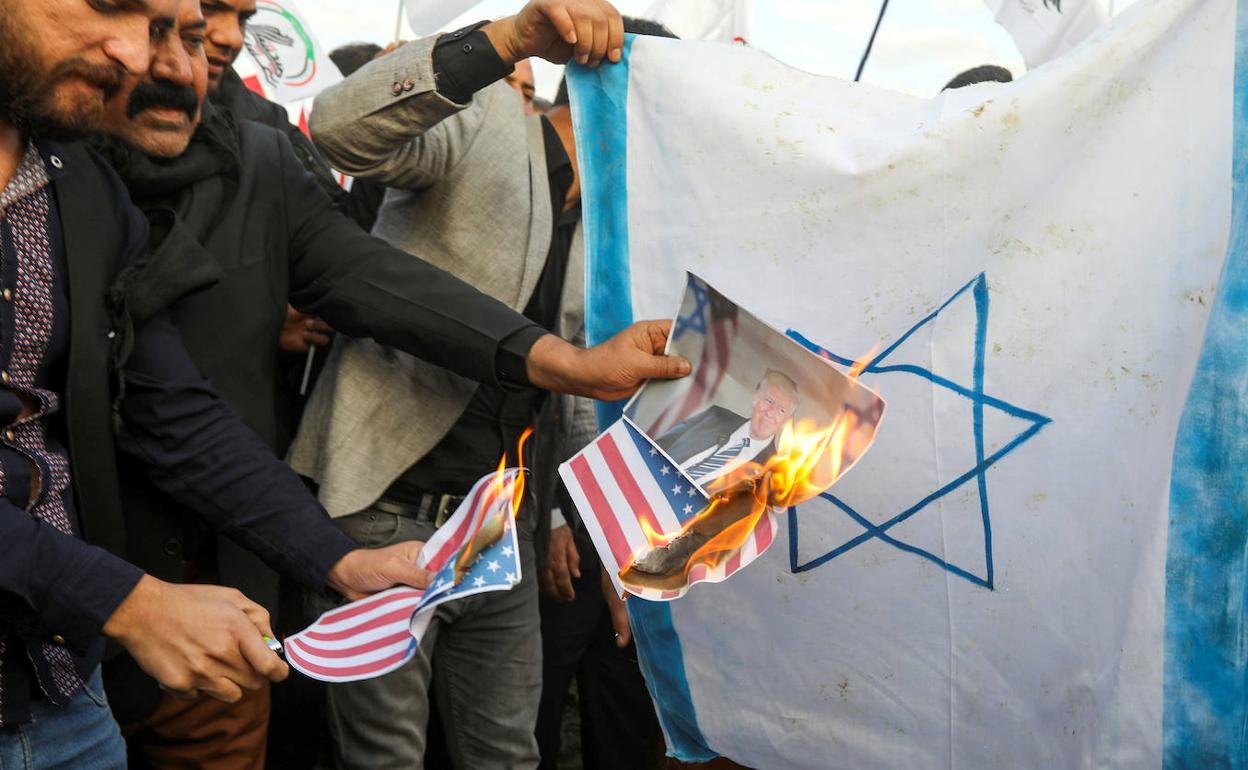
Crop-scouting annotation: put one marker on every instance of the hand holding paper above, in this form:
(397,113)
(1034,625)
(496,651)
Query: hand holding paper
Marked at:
(475,551)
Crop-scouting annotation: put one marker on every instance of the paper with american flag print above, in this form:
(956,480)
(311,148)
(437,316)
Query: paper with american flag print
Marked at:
(622,483)
(378,634)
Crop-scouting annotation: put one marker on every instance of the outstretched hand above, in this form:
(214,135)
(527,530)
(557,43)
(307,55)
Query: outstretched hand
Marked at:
(366,571)
(610,371)
(558,30)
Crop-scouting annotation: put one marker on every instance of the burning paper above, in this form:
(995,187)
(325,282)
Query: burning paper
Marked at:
(761,424)
(474,552)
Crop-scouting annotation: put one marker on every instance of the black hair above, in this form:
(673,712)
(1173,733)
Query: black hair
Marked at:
(984,73)
(352,56)
(636,26)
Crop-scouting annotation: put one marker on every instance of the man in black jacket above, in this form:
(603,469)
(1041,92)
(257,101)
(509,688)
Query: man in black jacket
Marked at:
(253,229)
(67,229)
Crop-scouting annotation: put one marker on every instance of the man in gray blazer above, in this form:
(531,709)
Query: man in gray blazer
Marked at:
(393,442)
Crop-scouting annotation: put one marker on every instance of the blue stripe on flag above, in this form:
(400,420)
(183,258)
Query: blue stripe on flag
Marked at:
(600,119)
(1206,692)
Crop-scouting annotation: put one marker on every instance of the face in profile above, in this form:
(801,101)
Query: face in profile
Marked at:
(61,60)
(774,404)
(521,79)
(227,20)
(158,113)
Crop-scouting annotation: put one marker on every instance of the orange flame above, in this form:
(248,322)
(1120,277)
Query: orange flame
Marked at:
(861,363)
(489,528)
(807,461)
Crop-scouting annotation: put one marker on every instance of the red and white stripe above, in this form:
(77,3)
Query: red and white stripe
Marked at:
(614,490)
(361,640)
(376,635)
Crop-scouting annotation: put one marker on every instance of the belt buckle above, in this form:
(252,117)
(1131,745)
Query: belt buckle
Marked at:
(444,509)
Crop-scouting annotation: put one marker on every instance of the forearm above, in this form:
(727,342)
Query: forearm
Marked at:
(197,450)
(406,118)
(54,583)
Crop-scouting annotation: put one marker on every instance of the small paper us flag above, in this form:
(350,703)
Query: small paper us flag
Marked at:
(622,480)
(376,635)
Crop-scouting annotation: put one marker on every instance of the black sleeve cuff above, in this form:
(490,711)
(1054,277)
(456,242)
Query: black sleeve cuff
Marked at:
(511,361)
(465,61)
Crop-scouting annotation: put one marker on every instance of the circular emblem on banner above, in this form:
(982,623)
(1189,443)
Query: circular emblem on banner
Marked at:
(281,47)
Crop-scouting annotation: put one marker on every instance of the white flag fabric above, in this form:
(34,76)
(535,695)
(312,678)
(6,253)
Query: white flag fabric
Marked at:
(726,21)
(425,17)
(1045,29)
(291,65)
(1040,562)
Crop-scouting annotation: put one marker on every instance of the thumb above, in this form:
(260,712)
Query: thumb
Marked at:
(663,367)
(410,550)
(401,571)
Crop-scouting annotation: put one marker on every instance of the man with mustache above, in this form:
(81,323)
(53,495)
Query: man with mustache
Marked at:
(67,356)
(253,229)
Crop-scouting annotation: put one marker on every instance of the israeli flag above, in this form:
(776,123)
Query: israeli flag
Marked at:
(1041,562)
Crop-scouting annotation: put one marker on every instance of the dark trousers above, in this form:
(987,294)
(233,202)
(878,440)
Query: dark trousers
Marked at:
(618,725)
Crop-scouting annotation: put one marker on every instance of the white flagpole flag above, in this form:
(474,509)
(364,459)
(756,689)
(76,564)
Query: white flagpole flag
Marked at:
(727,21)
(425,17)
(291,64)
(1045,29)
(1040,562)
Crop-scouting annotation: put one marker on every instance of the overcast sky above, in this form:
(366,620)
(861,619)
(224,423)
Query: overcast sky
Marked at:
(921,45)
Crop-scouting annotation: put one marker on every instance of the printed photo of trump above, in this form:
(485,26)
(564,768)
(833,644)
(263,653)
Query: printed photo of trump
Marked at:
(749,382)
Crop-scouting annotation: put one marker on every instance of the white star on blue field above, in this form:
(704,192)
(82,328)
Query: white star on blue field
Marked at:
(977,291)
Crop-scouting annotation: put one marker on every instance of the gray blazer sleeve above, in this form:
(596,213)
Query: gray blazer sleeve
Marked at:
(388,123)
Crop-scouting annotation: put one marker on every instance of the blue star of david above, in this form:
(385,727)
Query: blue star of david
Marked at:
(696,320)
(978,474)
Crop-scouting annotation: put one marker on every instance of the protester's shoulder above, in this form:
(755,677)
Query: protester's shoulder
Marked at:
(89,172)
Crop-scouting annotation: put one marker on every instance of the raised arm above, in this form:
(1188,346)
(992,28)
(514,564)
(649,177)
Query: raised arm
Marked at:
(398,119)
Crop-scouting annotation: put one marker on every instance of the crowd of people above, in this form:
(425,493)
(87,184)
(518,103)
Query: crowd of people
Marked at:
(171,248)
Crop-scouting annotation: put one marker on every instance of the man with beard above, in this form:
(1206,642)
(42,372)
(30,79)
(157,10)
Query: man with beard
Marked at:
(66,228)
(253,229)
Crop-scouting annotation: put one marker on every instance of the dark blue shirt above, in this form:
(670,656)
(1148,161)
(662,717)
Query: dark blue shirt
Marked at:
(56,590)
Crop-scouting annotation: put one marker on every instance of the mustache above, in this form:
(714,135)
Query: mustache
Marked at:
(151,94)
(107,79)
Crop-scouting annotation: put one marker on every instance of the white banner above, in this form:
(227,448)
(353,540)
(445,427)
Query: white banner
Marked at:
(291,65)
(425,17)
(1038,565)
(1046,29)
(726,21)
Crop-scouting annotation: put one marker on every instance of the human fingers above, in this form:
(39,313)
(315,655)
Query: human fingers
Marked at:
(561,19)
(563,581)
(584,48)
(601,39)
(546,582)
(317,339)
(615,38)
(258,615)
(265,661)
(223,689)
(574,559)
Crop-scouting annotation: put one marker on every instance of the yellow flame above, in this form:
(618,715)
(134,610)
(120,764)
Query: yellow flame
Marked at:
(808,459)
(862,362)
(497,488)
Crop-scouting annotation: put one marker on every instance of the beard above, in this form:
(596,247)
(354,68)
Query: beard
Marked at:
(29,93)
